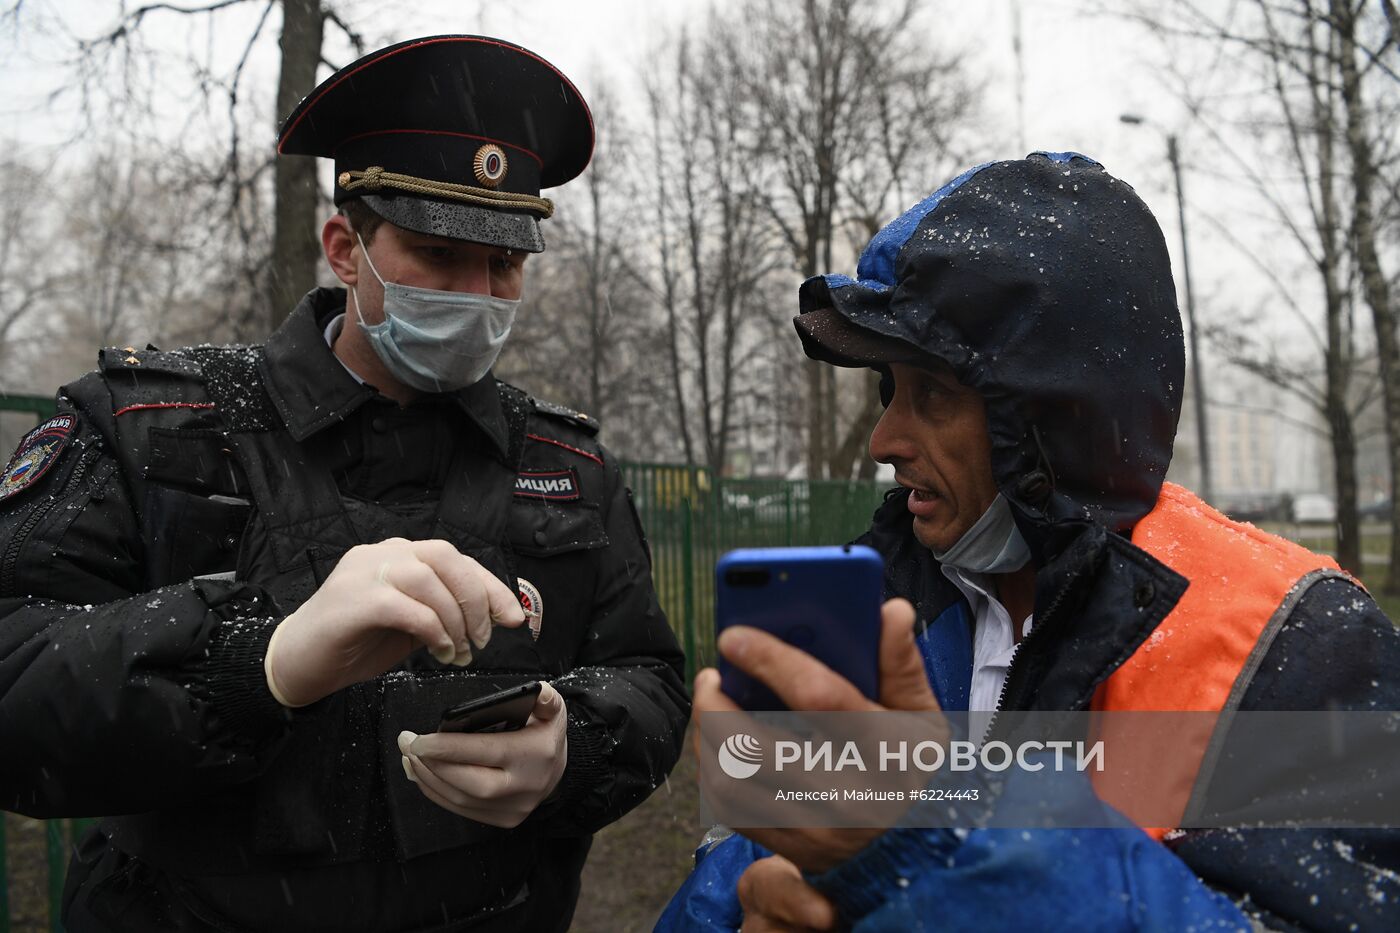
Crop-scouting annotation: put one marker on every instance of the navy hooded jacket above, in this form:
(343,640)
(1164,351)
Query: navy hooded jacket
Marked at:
(1045,283)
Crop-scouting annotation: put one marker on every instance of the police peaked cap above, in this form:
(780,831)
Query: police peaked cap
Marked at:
(448,135)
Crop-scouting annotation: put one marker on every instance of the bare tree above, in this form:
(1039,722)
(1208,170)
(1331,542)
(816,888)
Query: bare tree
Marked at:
(667,261)
(116,82)
(1300,49)
(1343,23)
(715,240)
(780,136)
(601,244)
(296,246)
(106,252)
(855,109)
(1313,136)
(29,282)
(136,249)
(586,335)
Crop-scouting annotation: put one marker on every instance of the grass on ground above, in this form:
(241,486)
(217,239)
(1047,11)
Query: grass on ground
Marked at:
(1375,553)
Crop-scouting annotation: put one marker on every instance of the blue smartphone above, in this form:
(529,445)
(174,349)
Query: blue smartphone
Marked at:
(824,600)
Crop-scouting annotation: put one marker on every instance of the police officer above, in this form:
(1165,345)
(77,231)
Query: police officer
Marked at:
(238,586)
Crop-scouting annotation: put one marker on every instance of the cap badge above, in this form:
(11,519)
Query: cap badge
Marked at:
(533,604)
(490,165)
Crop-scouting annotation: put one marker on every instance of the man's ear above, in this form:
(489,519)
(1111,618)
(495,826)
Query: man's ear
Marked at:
(886,385)
(338,243)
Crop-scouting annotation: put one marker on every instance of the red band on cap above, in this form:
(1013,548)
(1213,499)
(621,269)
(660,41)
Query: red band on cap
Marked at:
(485,139)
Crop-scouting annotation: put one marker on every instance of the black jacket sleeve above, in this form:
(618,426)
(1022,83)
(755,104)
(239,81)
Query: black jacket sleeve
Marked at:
(1336,651)
(628,705)
(114,700)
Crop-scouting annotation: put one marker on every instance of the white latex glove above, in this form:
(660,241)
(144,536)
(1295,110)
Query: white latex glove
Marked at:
(379,604)
(496,778)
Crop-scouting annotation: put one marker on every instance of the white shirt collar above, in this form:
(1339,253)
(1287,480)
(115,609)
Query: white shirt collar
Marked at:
(993,641)
(976,587)
(331,332)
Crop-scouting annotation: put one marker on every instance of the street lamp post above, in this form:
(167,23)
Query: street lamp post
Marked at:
(1197,377)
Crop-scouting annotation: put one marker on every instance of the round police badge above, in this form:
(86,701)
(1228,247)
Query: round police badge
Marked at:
(533,604)
(490,165)
(36,454)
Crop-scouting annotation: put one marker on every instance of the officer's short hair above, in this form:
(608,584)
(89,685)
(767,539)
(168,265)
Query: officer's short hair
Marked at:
(362,220)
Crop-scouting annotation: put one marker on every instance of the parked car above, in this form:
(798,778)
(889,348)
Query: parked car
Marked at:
(1256,507)
(1314,507)
(1379,510)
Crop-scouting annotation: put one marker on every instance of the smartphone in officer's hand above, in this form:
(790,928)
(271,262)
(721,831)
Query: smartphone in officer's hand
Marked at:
(824,600)
(503,711)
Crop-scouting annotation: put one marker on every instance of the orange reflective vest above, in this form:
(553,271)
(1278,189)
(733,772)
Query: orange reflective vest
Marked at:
(1242,585)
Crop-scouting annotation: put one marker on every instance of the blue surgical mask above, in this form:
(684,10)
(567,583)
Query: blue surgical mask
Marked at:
(992,545)
(437,341)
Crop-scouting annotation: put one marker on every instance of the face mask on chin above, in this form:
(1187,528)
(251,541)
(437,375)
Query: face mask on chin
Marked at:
(436,341)
(992,545)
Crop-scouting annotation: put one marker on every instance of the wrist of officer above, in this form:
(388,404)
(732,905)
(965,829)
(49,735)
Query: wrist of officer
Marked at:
(270,671)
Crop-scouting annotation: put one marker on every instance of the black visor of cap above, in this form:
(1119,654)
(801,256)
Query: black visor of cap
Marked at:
(829,335)
(511,229)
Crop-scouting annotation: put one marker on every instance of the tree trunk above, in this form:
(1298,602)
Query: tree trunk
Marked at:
(597,309)
(1341,432)
(816,413)
(1344,475)
(1339,362)
(296,247)
(1373,280)
(857,440)
(668,283)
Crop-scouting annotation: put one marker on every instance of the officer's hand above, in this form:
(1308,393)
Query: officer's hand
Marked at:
(804,683)
(776,899)
(379,604)
(497,778)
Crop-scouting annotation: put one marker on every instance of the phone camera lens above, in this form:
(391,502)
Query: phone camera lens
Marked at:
(752,576)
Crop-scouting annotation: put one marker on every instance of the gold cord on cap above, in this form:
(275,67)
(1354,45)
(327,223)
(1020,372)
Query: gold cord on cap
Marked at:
(375,178)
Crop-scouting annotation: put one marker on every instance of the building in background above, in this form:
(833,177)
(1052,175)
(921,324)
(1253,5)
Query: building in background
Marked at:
(1267,447)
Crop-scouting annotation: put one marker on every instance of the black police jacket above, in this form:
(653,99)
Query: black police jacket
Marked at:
(189,501)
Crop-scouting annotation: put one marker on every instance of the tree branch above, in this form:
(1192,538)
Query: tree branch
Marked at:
(1261,409)
(132,21)
(356,39)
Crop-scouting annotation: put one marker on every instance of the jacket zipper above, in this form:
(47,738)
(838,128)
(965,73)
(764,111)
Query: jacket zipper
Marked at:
(1016,665)
(32,520)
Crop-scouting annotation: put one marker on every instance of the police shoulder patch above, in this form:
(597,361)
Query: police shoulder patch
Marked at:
(37,453)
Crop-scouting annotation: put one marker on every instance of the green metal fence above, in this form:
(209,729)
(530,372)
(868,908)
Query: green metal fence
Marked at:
(690,518)
(41,406)
(59,837)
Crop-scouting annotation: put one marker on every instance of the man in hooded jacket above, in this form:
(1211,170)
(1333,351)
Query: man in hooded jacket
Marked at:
(1024,323)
